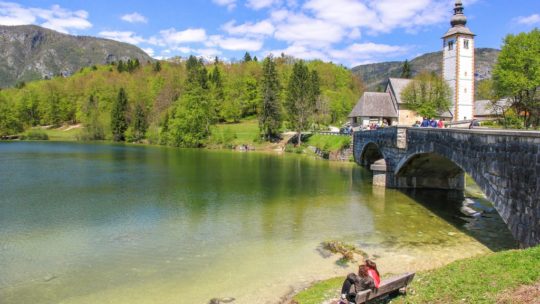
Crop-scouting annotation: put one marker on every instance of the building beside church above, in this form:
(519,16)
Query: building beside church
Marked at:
(458,71)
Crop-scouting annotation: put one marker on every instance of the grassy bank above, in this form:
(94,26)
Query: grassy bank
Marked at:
(484,279)
(329,142)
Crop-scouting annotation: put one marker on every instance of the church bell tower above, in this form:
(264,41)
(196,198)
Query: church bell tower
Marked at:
(458,65)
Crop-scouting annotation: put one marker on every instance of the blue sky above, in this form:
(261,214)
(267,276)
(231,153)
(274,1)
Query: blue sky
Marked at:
(349,32)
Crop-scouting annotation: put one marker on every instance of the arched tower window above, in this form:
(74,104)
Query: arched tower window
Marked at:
(466,44)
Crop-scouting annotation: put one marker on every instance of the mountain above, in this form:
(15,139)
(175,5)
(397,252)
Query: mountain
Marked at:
(376,74)
(30,52)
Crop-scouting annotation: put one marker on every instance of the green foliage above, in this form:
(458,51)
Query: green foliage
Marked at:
(485,90)
(247,57)
(157,66)
(476,280)
(139,125)
(517,74)
(428,94)
(193,115)
(119,122)
(330,143)
(93,128)
(269,107)
(302,93)
(9,122)
(231,92)
(223,137)
(35,135)
(406,70)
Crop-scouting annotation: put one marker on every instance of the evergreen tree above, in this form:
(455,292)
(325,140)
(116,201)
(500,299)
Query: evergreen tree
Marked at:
(247,57)
(217,90)
(255,59)
(302,92)
(269,107)
(406,70)
(140,123)
(121,67)
(119,122)
(157,66)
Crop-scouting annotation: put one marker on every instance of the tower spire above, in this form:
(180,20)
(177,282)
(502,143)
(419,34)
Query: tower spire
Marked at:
(459,18)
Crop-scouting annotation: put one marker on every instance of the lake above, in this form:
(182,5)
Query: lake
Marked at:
(102,223)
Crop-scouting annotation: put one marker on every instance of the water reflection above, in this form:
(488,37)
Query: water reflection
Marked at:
(114,223)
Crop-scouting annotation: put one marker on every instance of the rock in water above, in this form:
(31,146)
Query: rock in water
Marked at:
(221,300)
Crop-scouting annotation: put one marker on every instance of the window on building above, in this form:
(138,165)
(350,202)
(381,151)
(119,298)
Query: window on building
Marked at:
(465,90)
(465,74)
(450,45)
(466,44)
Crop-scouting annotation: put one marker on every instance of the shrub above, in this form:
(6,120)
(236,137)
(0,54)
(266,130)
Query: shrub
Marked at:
(35,135)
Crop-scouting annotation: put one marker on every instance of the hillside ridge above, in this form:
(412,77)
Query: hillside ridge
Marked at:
(375,75)
(31,52)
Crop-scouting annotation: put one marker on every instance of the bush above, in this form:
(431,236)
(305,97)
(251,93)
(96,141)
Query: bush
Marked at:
(223,138)
(35,135)
(289,148)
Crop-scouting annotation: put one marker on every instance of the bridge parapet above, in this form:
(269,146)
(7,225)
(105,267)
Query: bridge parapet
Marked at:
(505,164)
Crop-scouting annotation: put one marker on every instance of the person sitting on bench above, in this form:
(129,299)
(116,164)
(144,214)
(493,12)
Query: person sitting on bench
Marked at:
(373,272)
(355,283)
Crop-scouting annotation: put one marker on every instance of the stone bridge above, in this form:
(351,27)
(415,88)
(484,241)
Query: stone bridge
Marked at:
(505,164)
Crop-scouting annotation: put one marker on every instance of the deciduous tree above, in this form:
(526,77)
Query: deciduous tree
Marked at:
(428,95)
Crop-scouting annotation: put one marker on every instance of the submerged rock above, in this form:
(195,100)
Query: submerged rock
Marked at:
(221,300)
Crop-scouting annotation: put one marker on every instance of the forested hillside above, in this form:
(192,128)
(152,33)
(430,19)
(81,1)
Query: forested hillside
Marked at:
(154,96)
(30,52)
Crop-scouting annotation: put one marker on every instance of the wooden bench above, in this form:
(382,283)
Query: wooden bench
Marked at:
(386,287)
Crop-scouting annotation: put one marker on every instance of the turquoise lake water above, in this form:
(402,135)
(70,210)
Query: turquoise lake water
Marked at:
(101,223)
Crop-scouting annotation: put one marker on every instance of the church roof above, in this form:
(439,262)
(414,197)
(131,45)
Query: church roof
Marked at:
(397,85)
(374,105)
(485,107)
(458,30)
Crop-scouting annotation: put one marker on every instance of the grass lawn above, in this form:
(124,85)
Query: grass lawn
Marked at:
(245,131)
(483,279)
(62,135)
(329,142)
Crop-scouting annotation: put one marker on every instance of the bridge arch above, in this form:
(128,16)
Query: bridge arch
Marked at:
(370,154)
(429,170)
(504,164)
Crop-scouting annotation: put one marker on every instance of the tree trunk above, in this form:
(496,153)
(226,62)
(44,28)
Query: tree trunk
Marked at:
(299,138)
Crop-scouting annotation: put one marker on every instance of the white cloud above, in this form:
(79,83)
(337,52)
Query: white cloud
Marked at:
(302,52)
(173,37)
(529,20)
(14,14)
(235,44)
(135,18)
(368,51)
(149,51)
(303,30)
(347,13)
(259,4)
(230,4)
(128,37)
(262,28)
(56,17)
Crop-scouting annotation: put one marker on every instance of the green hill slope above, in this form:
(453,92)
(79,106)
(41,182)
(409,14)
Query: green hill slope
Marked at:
(30,52)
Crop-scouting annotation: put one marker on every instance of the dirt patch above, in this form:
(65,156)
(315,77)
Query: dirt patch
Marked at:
(529,294)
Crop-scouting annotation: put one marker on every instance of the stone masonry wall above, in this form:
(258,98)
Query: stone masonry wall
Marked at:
(505,164)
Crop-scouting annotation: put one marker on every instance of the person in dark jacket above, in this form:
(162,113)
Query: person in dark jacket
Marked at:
(425,123)
(355,283)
